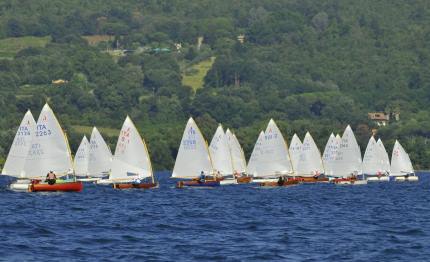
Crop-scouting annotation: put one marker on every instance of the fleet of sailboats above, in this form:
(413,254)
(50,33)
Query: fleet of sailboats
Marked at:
(42,147)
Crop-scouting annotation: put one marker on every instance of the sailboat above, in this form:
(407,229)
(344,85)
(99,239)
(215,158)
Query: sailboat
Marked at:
(100,157)
(295,150)
(270,161)
(81,159)
(329,154)
(49,151)
(220,154)
(256,156)
(347,163)
(401,166)
(373,161)
(237,159)
(386,168)
(131,163)
(193,159)
(15,161)
(310,166)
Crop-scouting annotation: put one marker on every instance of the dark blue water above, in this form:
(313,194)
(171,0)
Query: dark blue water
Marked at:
(324,222)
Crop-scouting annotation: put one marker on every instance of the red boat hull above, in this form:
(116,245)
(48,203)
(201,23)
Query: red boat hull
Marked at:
(129,185)
(65,187)
(244,180)
(288,182)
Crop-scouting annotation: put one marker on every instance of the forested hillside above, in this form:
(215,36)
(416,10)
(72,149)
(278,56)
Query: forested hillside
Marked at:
(311,65)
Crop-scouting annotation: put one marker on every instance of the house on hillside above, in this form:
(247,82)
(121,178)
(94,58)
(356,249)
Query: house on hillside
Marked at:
(380,118)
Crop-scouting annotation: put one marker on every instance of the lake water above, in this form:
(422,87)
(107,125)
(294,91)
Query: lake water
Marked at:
(322,222)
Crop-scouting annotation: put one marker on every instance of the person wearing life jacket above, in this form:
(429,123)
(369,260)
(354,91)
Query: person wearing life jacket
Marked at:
(51,178)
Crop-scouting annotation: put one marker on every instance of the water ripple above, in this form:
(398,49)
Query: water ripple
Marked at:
(322,222)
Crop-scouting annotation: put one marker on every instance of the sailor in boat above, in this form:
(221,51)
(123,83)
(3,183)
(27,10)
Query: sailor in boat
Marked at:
(202,177)
(137,180)
(281,181)
(317,174)
(51,178)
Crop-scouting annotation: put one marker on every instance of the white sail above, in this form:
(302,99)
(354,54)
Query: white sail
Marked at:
(100,156)
(400,161)
(310,162)
(236,152)
(82,157)
(348,156)
(295,150)
(255,158)
(384,157)
(15,161)
(330,152)
(220,153)
(193,155)
(372,164)
(273,159)
(131,159)
(49,149)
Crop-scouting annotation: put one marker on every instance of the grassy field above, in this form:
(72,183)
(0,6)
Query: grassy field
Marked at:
(105,131)
(10,46)
(197,73)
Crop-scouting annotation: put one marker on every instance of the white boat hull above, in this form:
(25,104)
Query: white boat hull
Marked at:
(378,179)
(355,182)
(19,186)
(400,179)
(88,179)
(264,180)
(413,179)
(360,182)
(104,182)
(228,182)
